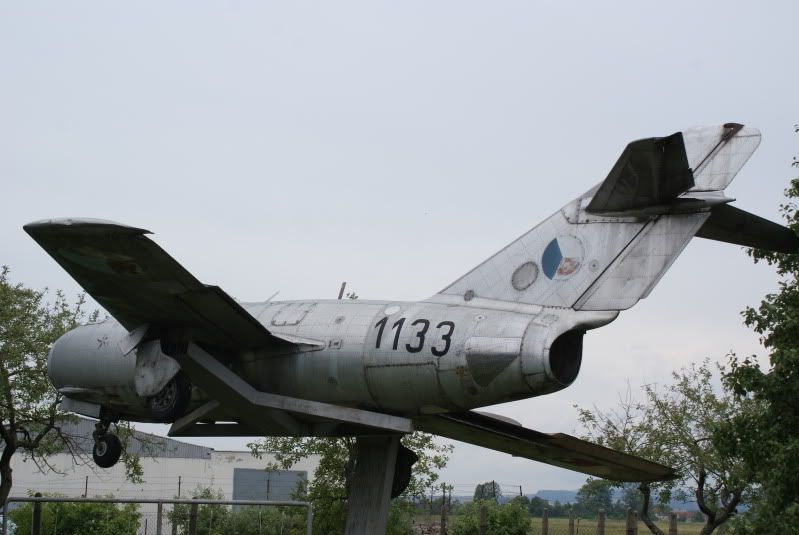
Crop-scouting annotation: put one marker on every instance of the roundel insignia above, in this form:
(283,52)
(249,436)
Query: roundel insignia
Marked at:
(562,257)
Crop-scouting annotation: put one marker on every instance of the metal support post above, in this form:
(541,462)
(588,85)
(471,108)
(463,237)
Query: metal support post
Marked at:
(36,524)
(571,523)
(309,520)
(370,492)
(673,524)
(193,519)
(159,516)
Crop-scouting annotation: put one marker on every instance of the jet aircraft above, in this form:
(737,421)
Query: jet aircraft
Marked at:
(186,353)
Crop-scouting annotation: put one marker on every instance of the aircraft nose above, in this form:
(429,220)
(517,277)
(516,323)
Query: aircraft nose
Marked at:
(89,356)
(58,365)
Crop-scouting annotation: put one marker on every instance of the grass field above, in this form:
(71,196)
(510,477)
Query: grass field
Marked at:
(560,526)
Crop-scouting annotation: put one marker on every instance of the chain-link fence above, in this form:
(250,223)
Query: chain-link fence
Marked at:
(43,515)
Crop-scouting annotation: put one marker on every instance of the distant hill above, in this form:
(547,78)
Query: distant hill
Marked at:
(562,496)
(570,496)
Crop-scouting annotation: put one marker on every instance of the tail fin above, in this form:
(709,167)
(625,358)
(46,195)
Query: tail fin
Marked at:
(609,247)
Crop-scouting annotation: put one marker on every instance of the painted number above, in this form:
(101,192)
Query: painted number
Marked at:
(447,338)
(420,335)
(422,326)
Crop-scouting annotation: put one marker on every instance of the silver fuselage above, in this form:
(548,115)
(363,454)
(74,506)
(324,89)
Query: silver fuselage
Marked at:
(399,357)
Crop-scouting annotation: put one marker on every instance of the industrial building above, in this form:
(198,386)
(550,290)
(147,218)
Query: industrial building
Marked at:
(172,468)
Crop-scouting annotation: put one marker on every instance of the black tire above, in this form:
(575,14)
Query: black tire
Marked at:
(107,450)
(172,401)
(402,470)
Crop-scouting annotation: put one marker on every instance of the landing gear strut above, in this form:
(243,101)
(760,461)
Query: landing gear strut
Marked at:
(107,446)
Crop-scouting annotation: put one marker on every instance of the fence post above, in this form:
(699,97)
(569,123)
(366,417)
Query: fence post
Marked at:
(571,523)
(600,522)
(545,522)
(36,524)
(483,520)
(159,515)
(632,522)
(444,511)
(193,519)
(672,523)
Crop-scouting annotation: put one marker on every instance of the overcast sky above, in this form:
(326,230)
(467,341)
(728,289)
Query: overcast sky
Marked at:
(290,146)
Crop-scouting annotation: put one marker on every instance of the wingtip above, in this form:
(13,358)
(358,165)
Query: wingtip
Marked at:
(79,222)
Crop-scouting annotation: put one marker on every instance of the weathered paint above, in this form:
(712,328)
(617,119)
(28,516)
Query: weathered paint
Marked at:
(495,355)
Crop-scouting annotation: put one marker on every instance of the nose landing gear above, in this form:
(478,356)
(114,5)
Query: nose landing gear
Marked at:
(107,446)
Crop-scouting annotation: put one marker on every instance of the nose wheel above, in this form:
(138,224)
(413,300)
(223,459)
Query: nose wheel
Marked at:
(107,447)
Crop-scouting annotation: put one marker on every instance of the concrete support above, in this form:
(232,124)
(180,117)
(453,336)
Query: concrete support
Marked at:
(370,488)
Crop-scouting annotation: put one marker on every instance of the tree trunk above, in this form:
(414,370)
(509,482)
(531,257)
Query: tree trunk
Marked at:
(646,492)
(5,472)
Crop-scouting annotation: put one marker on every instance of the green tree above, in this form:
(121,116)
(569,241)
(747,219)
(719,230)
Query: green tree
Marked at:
(265,520)
(211,518)
(328,488)
(74,518)
(487,491)
(630,499)
(593,496)
(216,519)
(537,505)
(677,426)
(768,440)
(511,518)
(29,419)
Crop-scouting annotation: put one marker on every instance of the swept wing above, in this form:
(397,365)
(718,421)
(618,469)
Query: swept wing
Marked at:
(556,449)
(138,283)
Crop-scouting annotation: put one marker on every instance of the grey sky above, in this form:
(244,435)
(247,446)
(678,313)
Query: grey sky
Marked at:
(290,146)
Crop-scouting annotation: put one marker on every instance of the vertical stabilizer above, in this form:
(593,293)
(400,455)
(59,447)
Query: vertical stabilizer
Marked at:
(609,247)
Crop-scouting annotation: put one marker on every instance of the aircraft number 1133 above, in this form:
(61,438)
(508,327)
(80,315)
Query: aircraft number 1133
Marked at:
(444,335)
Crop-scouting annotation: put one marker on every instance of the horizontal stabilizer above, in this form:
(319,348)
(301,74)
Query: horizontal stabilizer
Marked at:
(556,449)
(649,172)
(733,225)
(138,283)
(656,171)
